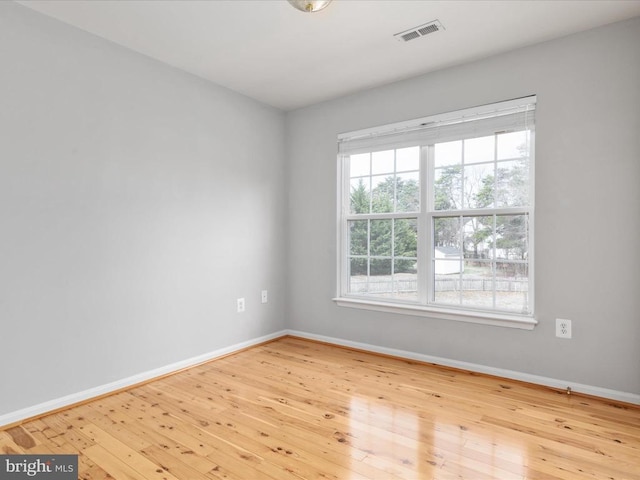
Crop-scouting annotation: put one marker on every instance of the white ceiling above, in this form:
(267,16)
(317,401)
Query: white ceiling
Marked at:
(271,52)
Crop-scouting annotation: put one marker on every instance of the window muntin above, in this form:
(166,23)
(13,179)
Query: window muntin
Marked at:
(442,223)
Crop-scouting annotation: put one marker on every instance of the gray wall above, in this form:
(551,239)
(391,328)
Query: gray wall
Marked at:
(136,204)
(587,213)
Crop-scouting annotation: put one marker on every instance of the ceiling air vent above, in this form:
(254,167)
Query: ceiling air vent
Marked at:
(419,31)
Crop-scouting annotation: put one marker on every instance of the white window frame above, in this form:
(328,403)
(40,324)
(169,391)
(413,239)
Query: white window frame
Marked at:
(423,307)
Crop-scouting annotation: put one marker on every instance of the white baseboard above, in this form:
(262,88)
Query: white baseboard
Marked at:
(498,372)
(57,403)
(68,400)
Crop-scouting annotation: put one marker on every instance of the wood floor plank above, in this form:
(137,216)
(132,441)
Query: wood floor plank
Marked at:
(113,465)
(157,438)
(296,409)
(179,468)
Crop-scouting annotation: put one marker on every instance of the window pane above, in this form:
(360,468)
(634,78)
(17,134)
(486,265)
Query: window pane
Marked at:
(358,237)
(447,285)
(447,260)
(484,194)
(380,238)
(446,233)
(380,272)
(405,280)
(477,284)
(408,192)
(407,159)
(480,149)
(512,145)
(360,197)
(358,266)
(478,183)
(512,287)
(382,162)
(512,184)
(406,240)
(511,237)
(380,280)
(478,237)
(447,188)
(448,153)
(382,194)
(358,269)
(448,264)
(359,165)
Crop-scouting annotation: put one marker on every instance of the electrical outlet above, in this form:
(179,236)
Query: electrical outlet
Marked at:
(240,303)
(265,296)
(563,328)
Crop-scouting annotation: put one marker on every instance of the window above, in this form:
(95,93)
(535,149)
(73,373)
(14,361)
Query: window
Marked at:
(436,215)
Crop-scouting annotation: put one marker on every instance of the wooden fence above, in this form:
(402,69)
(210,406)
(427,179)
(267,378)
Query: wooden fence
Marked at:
(382,285)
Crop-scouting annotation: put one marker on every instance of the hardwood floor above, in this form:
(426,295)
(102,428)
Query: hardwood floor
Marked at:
(293,409)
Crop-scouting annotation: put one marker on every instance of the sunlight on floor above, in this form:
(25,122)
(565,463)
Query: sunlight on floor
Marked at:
(463,451)
(410,445)
(387,434)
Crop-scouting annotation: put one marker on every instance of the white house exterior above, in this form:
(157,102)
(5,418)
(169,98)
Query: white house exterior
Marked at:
(448,260)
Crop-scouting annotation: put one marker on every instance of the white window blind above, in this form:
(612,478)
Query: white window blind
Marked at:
(512,115)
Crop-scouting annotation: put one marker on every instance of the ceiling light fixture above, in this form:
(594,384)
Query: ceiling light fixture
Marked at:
(310,6)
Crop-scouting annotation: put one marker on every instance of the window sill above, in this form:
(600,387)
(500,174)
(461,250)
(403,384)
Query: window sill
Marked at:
(523,322)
